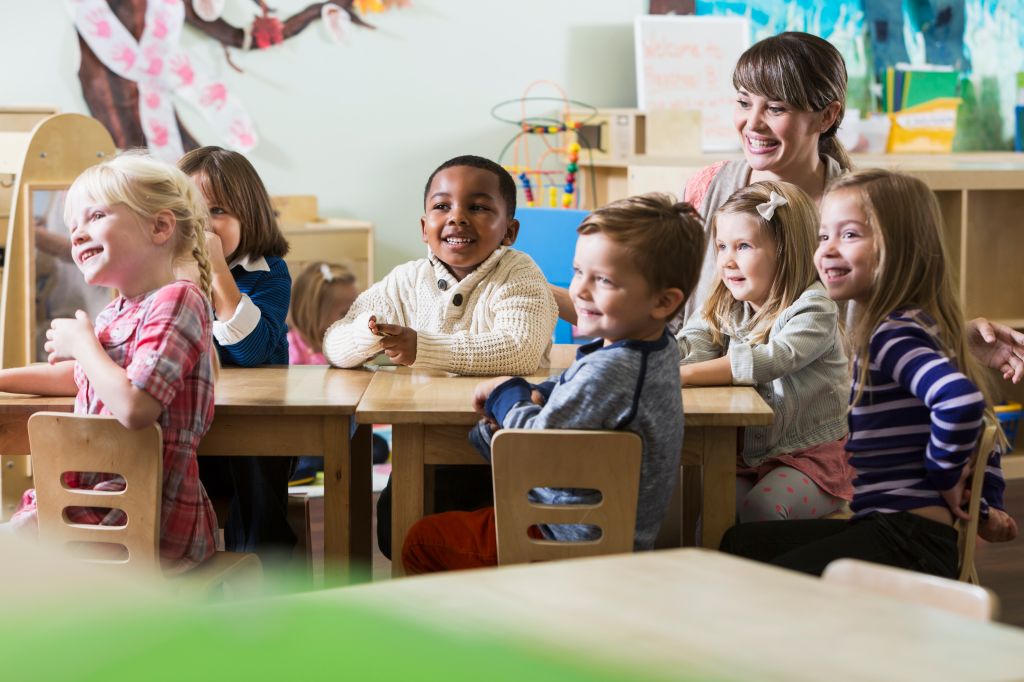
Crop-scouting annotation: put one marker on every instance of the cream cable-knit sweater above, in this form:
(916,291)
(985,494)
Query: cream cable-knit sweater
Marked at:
(497,320)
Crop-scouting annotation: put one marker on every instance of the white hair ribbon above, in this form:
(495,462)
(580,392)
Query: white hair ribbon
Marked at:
(325,270)
(767,209)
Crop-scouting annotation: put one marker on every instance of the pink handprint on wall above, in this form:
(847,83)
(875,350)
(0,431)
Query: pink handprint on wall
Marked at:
(158,134)
(159,26)
(244,137)
(180,65)
(155,66)
(100,25)
(125,56)
(214,95)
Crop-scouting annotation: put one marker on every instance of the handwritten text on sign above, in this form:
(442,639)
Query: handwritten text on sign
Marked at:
(686,63)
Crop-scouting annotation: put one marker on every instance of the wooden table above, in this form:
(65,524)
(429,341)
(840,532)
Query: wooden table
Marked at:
(697,614)
(274,411)
(430,413)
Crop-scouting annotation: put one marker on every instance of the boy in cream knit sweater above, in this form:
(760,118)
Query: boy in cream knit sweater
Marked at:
(473,306)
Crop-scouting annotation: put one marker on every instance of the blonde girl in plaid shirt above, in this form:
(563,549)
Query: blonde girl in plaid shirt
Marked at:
(149,357)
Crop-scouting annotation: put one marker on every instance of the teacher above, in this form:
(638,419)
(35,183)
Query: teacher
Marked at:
(790,101)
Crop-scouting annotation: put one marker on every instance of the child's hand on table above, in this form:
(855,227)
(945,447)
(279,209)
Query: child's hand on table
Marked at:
(398,342)
(483,391)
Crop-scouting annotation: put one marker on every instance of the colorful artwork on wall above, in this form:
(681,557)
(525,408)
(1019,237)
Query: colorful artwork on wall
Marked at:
(134,71)
(983,39)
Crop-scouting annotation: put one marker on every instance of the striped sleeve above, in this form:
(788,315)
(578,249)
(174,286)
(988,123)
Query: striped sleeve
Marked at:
(907,353)
(267,343)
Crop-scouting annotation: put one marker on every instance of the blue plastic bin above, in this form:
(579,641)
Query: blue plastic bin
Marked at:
(549,236)
(1009,418)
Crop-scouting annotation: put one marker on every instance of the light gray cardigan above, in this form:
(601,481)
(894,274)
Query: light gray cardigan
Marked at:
(801,372)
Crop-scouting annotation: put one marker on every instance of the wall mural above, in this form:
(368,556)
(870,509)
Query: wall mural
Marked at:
(982,39)
(134,72)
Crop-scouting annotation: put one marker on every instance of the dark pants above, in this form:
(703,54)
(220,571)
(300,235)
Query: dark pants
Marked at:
(456,488)
(901,539)
(258,513)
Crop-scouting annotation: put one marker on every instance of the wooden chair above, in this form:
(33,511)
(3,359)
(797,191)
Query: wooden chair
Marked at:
(62,442)
(972,601)
(523,459)
(968,530)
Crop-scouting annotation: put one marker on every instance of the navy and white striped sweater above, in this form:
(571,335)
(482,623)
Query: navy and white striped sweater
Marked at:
(916,423)
(271,291)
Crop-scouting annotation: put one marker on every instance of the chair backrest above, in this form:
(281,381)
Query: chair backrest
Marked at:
(968,530)
(972,601)
(606,461)
(62,443)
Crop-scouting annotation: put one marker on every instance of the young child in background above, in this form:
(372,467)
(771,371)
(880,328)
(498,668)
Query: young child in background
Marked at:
(769,323)
(251,291)
(472,306)
(636,261)
(916,407)
(322,293)
(149,357)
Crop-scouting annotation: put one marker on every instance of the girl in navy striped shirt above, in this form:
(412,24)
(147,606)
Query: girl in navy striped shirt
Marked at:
(916,407)
(251,293)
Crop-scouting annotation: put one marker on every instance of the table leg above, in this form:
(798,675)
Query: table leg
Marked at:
(693,498)
(361,494)
(347,499)
(406,487)
(718,509)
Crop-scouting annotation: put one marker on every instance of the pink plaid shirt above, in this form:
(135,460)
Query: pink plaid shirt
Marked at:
(163,340)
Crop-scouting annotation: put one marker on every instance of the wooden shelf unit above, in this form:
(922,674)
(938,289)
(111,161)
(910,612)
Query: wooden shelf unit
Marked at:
(333,240)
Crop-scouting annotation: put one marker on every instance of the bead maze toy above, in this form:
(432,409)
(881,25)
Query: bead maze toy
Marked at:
(559,135)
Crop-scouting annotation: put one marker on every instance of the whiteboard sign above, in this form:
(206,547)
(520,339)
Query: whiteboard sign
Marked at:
(686,62)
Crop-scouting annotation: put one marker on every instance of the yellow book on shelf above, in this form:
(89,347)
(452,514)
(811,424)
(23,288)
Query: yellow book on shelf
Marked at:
(926,127)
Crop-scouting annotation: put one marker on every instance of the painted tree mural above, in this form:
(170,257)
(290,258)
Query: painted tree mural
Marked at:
(140,69)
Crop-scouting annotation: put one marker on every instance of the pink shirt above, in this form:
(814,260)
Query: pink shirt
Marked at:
(299,352)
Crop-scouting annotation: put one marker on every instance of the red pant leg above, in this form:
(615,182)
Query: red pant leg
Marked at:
(451,541)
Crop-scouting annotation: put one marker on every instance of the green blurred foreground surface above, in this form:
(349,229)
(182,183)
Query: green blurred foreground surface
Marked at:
(269,639)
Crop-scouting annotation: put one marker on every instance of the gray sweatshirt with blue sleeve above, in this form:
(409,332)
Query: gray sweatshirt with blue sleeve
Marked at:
(629,385)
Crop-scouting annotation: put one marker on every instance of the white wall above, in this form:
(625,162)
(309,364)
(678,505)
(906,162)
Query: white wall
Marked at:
(362,125)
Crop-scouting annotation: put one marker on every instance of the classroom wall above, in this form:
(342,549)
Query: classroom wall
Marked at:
(362,125)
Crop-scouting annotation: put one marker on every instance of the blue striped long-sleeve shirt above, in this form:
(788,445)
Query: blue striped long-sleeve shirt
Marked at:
(270,289)
(916,423)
